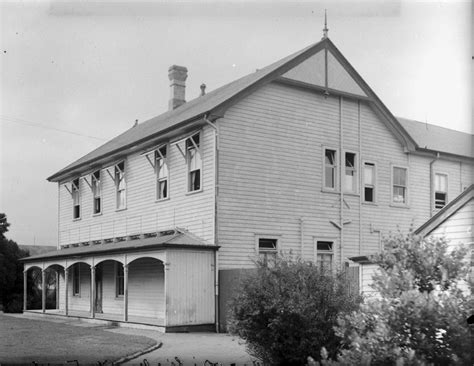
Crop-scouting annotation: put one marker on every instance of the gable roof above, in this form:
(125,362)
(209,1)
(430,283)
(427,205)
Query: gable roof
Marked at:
(439,139)
(215,103)
(446,212)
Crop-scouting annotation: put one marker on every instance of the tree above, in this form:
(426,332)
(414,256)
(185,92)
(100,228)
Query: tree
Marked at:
(288,309)
(419,317)
(11,270)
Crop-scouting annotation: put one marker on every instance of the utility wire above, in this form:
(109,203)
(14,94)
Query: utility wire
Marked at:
(20,121)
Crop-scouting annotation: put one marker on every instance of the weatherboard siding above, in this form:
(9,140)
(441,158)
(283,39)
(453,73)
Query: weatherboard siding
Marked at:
(270,176)
(458,228)
(192,211)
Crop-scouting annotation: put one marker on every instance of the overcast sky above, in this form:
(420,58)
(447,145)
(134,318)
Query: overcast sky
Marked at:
(76,74)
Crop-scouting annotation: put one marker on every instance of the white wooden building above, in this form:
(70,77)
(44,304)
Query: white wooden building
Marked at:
(158,225)
(454,222)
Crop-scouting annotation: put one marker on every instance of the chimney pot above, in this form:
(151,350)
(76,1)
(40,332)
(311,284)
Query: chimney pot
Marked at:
(203,89)
(177,75)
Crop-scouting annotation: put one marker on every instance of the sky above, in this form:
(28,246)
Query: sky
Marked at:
(75,74)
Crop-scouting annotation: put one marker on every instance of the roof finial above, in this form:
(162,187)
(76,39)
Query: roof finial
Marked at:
(325,30)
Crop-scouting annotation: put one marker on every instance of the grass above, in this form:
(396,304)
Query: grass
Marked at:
(23,341)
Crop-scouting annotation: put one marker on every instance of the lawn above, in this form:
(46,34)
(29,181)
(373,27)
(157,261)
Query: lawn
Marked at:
(23,341)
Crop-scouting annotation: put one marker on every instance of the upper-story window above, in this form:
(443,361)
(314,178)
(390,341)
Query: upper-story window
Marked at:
(400,186)
(194,161)
(440,190)
(330,168)
(162,173)
(76,199)
(350,178)
(96,192)
(120,186)
(369,182)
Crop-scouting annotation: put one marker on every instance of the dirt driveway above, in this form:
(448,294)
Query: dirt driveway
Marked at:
(24,341)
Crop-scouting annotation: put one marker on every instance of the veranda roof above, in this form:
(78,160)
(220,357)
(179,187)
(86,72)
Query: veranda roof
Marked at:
(177,240)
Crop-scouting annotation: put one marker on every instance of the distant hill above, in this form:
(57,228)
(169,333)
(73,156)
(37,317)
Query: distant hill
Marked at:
(38,249)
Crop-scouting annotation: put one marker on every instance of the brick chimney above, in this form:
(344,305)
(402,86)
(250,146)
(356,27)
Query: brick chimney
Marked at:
(177,76)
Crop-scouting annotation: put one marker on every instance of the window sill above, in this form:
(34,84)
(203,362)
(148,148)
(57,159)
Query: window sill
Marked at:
(328,190)
(162,199)
(351,194)
(120,209)
(76,295)
(97,214)
(120,297)
(399,205)
(368,203)
(76,219)
(190,193)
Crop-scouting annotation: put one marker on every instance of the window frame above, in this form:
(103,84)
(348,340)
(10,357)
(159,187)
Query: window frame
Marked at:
(76,191)
(117,182)
(265,255)
(96,185)
(335,168)
(355,169)
(76,277)
(198,148)
(119,280)
(437,173)
(392,186)
(158,156)
(373,186)
(331,252)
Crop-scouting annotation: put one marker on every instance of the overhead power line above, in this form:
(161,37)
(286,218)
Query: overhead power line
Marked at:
(24,122)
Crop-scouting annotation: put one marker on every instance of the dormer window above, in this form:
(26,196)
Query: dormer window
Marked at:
(96,192)
(194,162)
(120,186)
(162,173)
(76,199)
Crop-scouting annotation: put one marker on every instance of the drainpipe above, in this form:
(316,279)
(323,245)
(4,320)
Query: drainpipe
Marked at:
(302,235)
(216,240)
(341,175)
(432,183)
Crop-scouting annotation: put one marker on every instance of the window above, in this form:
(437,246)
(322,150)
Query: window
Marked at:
(440,190)
(330,168)
(194,160)
(119,280)
(76,280)
(267,248)
(162,173)
(350,179)
(399,185)
(324,255)
(96,193)
(369,182)
(120,185)
(76,199)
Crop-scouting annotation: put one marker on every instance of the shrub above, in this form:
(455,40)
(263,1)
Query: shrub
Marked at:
(419,317)
(286,310)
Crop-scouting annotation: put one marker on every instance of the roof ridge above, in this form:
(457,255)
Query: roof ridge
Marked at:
(186,112)
(432,125)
